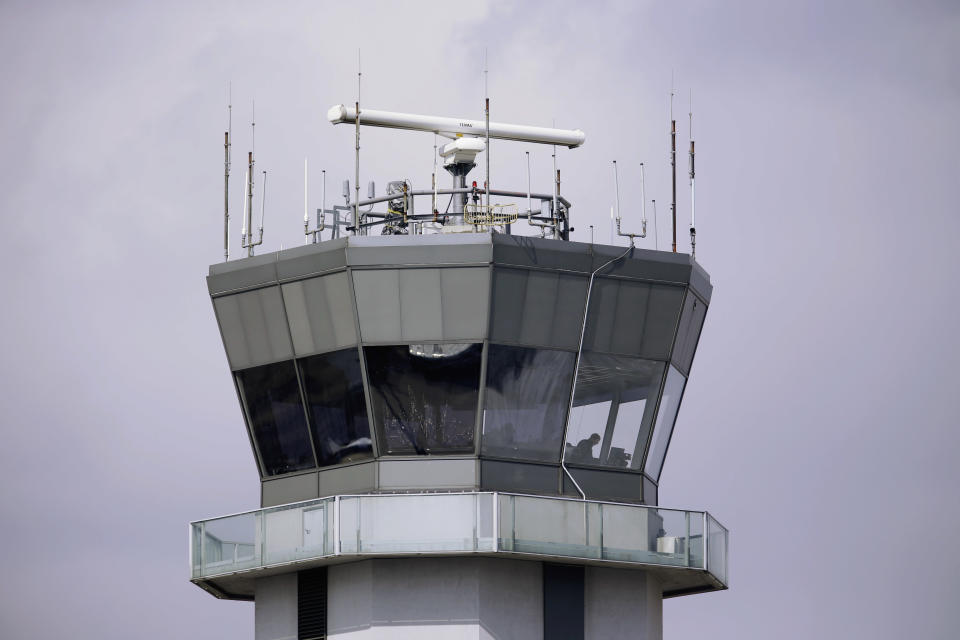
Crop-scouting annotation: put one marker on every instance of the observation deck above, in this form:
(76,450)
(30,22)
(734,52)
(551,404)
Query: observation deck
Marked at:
(685,550)
(451,362)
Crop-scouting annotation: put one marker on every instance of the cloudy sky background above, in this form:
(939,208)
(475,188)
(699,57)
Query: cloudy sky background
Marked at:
(820,423)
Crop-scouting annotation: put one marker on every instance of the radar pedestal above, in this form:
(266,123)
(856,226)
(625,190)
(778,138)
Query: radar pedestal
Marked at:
(458,436)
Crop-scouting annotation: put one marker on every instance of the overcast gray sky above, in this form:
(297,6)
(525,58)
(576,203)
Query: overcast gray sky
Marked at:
(820,423)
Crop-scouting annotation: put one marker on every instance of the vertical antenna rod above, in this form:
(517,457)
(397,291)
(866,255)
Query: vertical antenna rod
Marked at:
(673,168)
(529,196)
(247,234)
(356,199)
(693,200)
(323,206)
(643,201)
(263,202)
(226,177)
(434,178)
(556,189)
(616,181)
(656,233)
(486,93)
(306,212)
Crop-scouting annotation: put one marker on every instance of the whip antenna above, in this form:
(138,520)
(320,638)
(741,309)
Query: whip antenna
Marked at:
(693,200)
(356,200)
(226,175)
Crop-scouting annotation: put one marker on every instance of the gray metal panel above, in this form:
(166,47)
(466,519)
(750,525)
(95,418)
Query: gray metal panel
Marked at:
(254,327)
(633,318)
(700,282)
(420,249)
(533,307)
(378,304)
(421,313)
(660,323)
(688,332)
(320,311)
(649,491)
(311,259)
(538,252)
(428,474)
(661,266)
(607,485)
(517,476)
(287,489)
(242,274)
(357,478)
(465,302)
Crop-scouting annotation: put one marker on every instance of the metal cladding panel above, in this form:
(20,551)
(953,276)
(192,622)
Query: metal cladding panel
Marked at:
(649,491)
(242,274)
(700,282)
(688,333)
(606,485)
(538,252)
(542,308)
(356,478)
(517,476)
(287,489)
(320,311)
(633,318)
(378,304)
(419,249)
(663,266)
(421,313)
(254,327)
(465,303)
(311,259)
(402,305)
(426,474)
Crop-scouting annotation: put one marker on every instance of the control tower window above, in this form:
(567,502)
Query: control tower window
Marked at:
(337,407)
(613,406)
(666,416)
(277,422)
(424,396)
(525,402)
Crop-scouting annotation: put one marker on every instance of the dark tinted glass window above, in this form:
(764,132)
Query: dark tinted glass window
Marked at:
(688,333)
(337,407)
(613,406)
(276,417)
(525,402)
(666,416)
(424,396)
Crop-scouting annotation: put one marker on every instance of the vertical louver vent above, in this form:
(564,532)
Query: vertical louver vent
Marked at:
(312,604)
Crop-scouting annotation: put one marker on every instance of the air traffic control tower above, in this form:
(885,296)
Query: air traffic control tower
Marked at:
(459,434)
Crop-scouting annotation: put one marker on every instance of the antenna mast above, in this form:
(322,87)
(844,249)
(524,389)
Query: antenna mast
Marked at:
(306,214)
(673,167)
(486,92)
(434,178)
(693,200)
(356,199)
(620,232)
(226,176)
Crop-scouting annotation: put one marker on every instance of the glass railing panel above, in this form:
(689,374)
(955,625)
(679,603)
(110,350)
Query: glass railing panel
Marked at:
(349,525)
(296,532)
(630,533)
(229,544)
(506,509)
(716,549)
(556,527)
(696,539)
(418,523)
(672,537)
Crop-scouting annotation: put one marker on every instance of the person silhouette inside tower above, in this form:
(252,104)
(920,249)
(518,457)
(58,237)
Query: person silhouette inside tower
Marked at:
(583,452)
